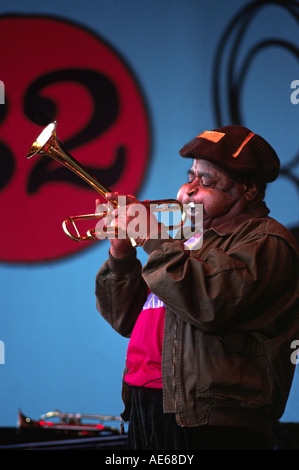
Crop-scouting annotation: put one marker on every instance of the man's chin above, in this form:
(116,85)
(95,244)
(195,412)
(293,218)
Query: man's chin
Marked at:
(206,222)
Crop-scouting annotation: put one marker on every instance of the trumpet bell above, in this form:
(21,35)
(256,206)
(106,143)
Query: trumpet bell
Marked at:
(48,144)
(45,141)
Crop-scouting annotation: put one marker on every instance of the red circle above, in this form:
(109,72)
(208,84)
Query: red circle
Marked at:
(32,223)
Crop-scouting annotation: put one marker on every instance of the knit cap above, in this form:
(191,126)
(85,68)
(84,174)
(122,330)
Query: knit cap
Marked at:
(237,151)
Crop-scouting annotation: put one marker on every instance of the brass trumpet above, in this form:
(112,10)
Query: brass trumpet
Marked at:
(48,144)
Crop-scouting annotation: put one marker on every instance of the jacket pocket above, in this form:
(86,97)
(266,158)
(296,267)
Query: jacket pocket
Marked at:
(233,366)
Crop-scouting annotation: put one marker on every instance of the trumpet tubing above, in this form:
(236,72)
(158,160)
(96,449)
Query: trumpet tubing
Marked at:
(48,144)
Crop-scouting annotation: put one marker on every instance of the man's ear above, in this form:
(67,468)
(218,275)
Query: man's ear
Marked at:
(251,190)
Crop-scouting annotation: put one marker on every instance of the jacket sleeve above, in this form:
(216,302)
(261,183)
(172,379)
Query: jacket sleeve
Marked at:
(120,292)
(226,288)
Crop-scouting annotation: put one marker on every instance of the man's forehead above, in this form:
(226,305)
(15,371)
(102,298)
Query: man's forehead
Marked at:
(201,166)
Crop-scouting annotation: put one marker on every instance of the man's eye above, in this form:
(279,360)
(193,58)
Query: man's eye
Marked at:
(206,184)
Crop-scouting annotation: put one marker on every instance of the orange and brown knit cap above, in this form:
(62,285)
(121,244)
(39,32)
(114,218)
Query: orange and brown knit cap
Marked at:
(237,151)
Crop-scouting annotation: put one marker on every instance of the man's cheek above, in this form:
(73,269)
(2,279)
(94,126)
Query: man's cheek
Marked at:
(212,204)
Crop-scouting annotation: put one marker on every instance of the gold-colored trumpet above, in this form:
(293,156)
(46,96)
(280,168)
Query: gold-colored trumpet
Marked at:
(48,144)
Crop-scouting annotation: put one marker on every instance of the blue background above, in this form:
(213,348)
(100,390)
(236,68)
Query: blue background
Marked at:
(59,352)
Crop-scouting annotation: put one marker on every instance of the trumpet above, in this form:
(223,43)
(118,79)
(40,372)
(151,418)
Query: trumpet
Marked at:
(48,144)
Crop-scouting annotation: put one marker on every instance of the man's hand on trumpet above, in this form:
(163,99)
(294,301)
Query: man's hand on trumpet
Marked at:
(132,219)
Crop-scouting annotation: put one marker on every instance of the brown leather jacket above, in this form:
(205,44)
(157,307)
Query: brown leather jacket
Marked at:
(232,314)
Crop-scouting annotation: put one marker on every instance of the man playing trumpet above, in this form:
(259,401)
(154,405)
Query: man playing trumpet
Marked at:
(210,320)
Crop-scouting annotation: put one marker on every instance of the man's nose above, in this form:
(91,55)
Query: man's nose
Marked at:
(192,188)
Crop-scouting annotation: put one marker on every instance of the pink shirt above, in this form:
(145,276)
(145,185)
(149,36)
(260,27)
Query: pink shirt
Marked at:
(145,346)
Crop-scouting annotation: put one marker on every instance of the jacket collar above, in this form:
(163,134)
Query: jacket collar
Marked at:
(258,211)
